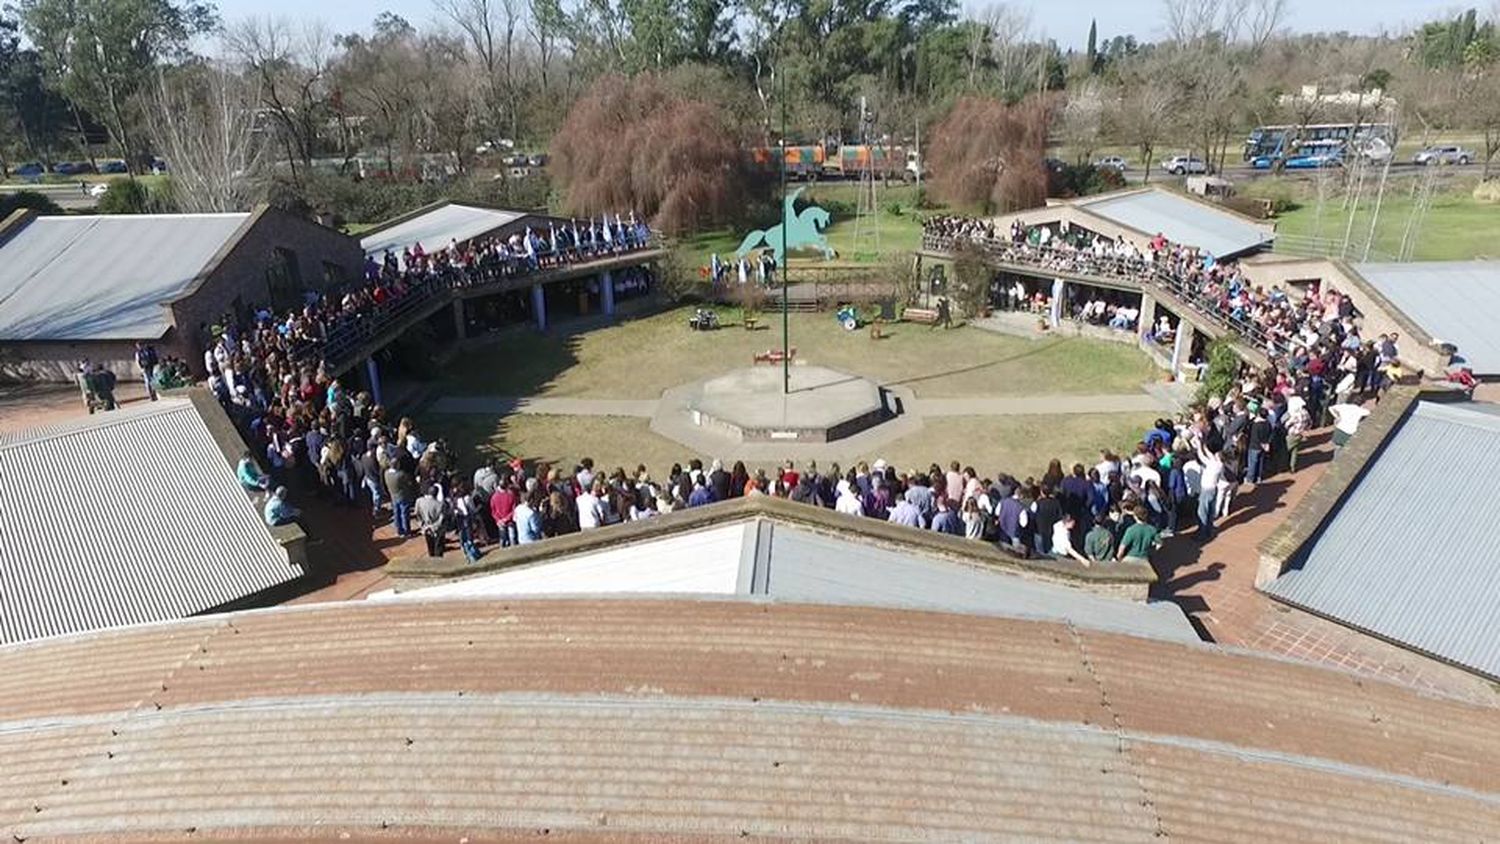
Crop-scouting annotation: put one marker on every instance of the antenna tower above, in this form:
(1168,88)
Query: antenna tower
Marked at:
(866,223)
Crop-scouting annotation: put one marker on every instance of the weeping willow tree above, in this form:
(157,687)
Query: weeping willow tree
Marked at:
(989,155)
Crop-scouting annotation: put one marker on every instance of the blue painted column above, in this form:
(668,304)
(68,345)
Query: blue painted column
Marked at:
(607,293)
(539,307)
(372,371)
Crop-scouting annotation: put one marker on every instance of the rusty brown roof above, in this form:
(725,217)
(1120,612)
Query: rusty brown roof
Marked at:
(659,720)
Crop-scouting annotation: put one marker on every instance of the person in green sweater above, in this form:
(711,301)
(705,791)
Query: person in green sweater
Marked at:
(1099,542)
(1139,539)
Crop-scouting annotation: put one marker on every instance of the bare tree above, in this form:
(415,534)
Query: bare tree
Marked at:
(203,119)
(1010,32)
(290,64)
(1142,115)
(1083,118)
(491,28)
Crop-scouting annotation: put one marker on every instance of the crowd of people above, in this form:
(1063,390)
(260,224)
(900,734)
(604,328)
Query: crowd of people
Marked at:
(1181,472)
(1279,324)
(312,435)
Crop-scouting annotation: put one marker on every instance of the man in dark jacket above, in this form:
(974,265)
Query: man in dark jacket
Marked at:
(718,482)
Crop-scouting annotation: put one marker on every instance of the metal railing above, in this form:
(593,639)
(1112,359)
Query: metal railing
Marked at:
(1054,260)
(355,331)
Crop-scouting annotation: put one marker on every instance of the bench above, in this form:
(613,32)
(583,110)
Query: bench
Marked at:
(751,323)
(775,356)
(921,316)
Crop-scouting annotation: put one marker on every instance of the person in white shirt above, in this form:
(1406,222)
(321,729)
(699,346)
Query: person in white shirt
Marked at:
(1144,471)
(1346,419)
(1062,539)
(590,511)
(848,502)
(1208,492)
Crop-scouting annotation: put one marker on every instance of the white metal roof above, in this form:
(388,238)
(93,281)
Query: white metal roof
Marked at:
(1182,220)
(762,558)
(438,228)
(1456,302)
(121,518)
(1411,553)
(104,277)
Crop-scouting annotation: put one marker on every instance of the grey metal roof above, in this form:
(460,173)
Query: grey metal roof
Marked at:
(808,567)
(1413,552)
(438,228)
(126,517)
(1454,301)
(786,563)
(104,277)
(1181,219)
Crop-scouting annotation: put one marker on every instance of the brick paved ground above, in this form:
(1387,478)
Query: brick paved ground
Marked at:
(1215,585)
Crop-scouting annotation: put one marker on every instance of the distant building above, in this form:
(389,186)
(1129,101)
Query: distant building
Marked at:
(90,287)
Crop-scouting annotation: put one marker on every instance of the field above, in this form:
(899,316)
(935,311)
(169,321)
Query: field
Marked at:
(1021,445)
(1456,226)
(638,358)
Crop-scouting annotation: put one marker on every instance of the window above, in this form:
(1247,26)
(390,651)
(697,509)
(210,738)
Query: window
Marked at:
(284,278)
(334,275)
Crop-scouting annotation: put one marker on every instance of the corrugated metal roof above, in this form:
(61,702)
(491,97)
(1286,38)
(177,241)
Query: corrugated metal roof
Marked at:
(104,277)
(762,557)
(1413,552)
(1454,301)
(1182,220)
(127,517)
(686,720)
(438,228)
(812,568)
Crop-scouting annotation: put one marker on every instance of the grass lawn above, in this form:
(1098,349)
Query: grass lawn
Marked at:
(638,358)
(1021,445)
(898,222)
(1456,227)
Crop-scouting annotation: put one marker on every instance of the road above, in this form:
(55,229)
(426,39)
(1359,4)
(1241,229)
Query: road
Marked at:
(68,196)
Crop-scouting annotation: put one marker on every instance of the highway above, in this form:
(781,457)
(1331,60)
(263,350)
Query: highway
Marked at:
(69,196)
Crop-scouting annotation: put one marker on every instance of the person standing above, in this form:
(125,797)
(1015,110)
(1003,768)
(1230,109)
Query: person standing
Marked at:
(1296,424)
(146,359)
(1346,419)
(945,520)
(1208,491)
(402,488)
(503,509)
(1258,446)
(432,517)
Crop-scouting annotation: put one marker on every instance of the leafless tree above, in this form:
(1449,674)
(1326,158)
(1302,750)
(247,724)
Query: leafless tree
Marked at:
(203,119)
(491,28)
(1083,118)
(290,64)
(1142,114)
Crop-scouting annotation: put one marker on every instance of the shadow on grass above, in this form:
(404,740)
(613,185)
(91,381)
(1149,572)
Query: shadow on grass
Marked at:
(917,379)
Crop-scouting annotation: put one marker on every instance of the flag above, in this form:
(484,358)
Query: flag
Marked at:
(530,247)
(576,242)
(608,238)
(742,271)
(552,232)
(714,263)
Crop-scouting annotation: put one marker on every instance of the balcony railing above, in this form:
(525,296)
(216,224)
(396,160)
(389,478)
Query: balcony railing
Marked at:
(355,331)
(1054,260)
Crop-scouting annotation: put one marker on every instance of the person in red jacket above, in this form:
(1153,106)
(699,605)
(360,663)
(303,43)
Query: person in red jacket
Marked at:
(503,511)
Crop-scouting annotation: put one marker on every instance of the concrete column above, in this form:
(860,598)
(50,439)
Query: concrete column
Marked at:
(1182,347)
(372,372)
(460,328)
(1147,317)
(607,293)
(1059,295)
(539,307)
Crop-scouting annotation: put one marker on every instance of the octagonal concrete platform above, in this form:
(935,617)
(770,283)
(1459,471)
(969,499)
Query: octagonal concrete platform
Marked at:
(823,404)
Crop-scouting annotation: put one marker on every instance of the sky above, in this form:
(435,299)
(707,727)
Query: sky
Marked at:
(1067,21)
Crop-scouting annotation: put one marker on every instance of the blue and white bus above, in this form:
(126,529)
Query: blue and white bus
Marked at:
(1283,141)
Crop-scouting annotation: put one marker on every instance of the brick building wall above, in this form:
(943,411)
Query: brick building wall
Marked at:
(237,277)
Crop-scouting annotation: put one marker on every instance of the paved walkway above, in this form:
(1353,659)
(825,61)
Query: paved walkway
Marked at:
(502,405)
(969,406)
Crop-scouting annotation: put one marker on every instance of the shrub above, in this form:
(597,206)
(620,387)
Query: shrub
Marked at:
(126,196)
(40,203)
(1223,368)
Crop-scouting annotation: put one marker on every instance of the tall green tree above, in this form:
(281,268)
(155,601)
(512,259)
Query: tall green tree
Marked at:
(104,52)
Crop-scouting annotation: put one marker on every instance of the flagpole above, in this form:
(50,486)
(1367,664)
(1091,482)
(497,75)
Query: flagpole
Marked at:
(786,263)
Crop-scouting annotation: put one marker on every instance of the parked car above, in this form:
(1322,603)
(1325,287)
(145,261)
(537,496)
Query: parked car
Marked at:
(29,170)
(1179,165)
(539,160)
(115,166)
(1112,162)
(1445,154)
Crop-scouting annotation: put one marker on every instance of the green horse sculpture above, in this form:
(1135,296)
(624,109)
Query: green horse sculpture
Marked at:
(802,230)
